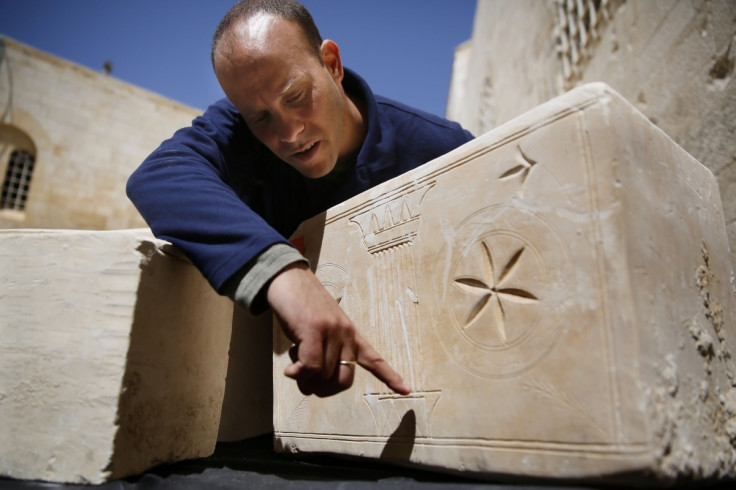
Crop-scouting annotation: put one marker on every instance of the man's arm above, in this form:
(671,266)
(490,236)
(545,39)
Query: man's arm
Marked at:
(312,319)
(316,323)
(247,287)
(182,193)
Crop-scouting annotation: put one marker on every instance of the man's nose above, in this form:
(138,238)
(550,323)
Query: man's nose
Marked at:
(289,128)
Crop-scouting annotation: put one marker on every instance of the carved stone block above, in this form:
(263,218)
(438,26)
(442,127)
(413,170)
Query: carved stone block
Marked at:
(557,293)
(113,355)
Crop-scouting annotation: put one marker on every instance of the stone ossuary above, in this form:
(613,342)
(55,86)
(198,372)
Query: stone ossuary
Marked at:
(558,294)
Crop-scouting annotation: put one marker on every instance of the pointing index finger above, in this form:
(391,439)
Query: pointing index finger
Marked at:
(369,359)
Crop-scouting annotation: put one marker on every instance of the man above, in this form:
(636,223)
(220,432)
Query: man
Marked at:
(296,135)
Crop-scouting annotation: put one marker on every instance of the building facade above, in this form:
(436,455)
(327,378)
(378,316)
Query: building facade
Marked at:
(69,139)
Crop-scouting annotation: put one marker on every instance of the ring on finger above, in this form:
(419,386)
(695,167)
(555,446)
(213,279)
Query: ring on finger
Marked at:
(348,363)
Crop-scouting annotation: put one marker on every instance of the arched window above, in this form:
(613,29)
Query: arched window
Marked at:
(17,180)
(17,160)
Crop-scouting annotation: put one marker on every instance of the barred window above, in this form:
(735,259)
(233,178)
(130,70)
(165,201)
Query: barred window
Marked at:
(17,180)
(580,25)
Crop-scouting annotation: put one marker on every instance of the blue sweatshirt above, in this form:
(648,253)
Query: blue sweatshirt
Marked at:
(221,196)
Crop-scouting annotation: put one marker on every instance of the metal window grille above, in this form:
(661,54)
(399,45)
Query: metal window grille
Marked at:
(17,180)
(578,30)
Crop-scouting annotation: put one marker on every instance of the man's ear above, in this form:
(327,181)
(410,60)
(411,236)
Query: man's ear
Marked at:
(331,58)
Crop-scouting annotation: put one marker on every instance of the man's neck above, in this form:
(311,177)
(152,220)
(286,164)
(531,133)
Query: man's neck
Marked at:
(356,124)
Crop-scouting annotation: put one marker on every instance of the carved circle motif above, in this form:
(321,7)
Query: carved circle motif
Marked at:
(337,282)
(487,303)
(503,292)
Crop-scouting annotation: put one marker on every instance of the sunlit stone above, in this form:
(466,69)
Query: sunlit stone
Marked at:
(113,355)
(558,294)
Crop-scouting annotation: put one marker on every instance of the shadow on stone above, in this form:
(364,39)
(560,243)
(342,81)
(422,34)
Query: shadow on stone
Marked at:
(401,443)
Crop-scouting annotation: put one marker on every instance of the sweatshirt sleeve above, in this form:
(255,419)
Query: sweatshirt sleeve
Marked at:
(186,192)
(248,286)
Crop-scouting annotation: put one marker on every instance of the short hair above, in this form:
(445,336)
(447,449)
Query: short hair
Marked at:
(290,10)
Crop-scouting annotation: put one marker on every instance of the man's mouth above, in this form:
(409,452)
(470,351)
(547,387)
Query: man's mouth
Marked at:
(307,151)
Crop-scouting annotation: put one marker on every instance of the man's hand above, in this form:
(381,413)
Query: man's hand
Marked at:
(323,335)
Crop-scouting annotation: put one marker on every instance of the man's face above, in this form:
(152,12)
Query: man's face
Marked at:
(291,102)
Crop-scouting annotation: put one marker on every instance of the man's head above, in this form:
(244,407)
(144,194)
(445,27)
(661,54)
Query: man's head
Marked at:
(287,10)
(287,84)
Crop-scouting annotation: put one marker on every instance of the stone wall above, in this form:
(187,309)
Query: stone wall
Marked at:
(87,131)
(673,59)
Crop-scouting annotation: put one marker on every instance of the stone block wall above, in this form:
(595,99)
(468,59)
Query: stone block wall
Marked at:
(87,130)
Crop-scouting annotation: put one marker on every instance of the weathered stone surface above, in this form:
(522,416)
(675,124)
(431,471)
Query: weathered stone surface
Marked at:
(673,59)
(113,355)
(557,292)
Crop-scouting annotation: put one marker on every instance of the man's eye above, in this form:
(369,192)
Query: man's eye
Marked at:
(294,98)
(261,118)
